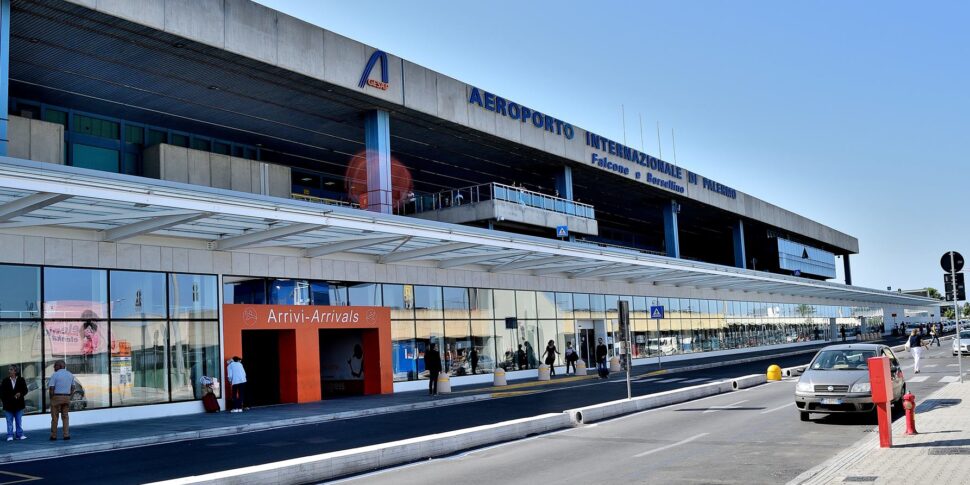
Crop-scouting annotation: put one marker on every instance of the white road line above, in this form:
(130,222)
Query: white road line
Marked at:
(688,381)
(675,379)
(949,378)
(953,365)
(917,378)
(650,379)
(929,365)
(714,409)
(779,408)
(662,448)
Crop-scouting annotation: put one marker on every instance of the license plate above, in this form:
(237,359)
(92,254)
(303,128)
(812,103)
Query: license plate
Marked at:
(831,401)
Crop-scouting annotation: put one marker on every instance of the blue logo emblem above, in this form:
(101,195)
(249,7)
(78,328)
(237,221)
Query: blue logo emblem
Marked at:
(365,79)
(656,312)
(562,231)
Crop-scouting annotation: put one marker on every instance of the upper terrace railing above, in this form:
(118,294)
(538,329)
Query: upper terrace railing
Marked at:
(493,191)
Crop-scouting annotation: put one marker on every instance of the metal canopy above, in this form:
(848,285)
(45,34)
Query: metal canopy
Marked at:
(121,207)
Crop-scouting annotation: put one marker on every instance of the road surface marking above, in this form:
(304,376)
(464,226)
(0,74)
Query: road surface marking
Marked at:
(779,408)
(19,478)
(949,378)
(695,380)
(675,379)
(648,380)
(917,378)
(929,365)
(953,365)
(714,409)
(662,448)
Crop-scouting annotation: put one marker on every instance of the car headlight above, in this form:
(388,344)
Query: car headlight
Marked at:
(803,386)
(861,387)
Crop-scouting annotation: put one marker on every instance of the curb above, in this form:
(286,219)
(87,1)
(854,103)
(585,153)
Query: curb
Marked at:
(228,430)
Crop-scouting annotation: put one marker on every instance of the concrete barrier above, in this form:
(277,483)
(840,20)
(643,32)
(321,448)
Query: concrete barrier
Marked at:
(444,384)
(498,377)
(599,412)
(615,364)
(748,381)
(793,371)
(328,466)
(581,367)
(544,372)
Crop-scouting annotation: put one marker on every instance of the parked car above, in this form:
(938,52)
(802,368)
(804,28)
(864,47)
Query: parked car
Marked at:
(963,344)
(837,380)
(32,399)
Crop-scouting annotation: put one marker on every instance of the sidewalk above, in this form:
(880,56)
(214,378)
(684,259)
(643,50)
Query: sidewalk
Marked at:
(938,454)
(94,438)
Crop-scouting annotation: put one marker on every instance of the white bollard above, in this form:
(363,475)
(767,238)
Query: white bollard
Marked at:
(615,364)
(544,372)
(580,367)
(498,378)
(444,384)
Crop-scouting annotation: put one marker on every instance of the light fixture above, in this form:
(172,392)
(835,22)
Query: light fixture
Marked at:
(213,87)
(305,179)
(328,183)
(178,45)
(33,40)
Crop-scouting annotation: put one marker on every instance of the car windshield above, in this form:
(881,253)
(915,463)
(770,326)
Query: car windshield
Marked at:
(848,359)
(964,335)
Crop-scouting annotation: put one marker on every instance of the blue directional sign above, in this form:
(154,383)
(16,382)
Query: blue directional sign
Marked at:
(656,312)
(562,231)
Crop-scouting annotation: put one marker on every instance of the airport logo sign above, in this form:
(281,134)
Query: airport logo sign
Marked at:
(365,79)
(656,312)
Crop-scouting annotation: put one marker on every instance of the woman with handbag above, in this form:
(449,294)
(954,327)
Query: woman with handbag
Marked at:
(571,357)
(551,354)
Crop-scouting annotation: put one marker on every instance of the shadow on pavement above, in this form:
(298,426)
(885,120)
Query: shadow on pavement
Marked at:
(931,404)
(937,444)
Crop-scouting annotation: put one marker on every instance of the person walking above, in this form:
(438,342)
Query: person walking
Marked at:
(915,345)
(432,363)
(571,357)
(473,356)
(521,358)
(935,335)
(60,388)
(550,355)
(12,392)
(601,352)
(236,374)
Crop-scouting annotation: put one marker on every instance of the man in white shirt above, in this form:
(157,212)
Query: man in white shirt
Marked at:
(236,375)
(61,388)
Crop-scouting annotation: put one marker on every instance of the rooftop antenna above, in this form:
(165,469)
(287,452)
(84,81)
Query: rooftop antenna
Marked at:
(641,133)
(673,141)
(660,150)
(623,115)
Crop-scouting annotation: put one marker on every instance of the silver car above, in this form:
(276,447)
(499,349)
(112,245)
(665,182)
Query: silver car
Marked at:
(837,380)
(962,344)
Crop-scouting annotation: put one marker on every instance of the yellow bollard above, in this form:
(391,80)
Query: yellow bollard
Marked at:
(774,373)
(580,367)
(444,384)
(544,374)
(498,377)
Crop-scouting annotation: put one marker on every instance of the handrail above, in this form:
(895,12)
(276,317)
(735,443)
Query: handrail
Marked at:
(417,203)
(323,200)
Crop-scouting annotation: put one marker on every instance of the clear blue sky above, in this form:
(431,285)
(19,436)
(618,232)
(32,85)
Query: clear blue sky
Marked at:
(854,114)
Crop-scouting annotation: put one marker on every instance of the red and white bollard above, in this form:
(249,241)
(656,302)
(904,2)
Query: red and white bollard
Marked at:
(909,404)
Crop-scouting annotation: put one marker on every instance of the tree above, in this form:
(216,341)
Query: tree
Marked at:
(966,309)
(933,293)
(948,314)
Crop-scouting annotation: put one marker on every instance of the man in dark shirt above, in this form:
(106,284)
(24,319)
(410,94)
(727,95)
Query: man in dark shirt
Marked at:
(601,357)
(432,362)
(474,358)
(521,358)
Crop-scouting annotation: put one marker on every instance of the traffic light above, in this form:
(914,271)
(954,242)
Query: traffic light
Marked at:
(948,286)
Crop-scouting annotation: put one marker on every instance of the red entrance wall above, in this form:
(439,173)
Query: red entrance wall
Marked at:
(300,349)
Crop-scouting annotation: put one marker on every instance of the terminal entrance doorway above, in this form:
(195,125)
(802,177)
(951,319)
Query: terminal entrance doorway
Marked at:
(347,362)
(269,360)
(588,331)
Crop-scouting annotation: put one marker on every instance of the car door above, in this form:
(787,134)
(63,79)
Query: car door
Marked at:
(895,373)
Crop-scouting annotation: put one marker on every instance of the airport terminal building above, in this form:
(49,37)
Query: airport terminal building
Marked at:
(184,181)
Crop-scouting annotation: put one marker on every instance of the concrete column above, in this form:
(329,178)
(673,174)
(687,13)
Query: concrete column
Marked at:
(564,182)
(847,268)
(671,235)
(4,72)
(737,231)
(377,136)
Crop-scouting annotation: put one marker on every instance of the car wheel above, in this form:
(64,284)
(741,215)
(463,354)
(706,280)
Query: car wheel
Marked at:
(804,416)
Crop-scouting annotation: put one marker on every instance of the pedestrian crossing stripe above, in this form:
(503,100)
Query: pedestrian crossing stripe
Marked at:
(695,380)
(949,378)
(917,378)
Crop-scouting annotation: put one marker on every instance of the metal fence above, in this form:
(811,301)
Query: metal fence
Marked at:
(418,203)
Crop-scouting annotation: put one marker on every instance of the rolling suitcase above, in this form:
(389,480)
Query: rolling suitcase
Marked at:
(210,402)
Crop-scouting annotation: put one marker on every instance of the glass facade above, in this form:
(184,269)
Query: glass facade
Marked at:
(129,337)
(462,319)
(798,257)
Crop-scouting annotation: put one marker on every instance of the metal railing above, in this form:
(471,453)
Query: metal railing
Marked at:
(323,200)
(493,191)
(618,246)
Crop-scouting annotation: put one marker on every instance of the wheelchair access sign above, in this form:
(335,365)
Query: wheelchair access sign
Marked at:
(656,312)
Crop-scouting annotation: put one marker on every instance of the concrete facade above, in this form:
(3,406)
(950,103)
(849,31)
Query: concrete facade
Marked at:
(178,164)
(36,140)
(248,29)
(501,210)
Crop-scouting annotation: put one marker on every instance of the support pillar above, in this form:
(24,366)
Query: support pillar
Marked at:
(564,183)
(4,72)
(377,136)
(737,230)
(847,268)
(671,233)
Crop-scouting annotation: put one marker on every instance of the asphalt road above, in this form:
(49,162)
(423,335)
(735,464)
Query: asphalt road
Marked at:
(751,436)
(196,457)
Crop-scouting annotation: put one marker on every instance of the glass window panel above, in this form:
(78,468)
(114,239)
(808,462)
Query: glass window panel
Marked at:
(405,356)
(83,347)
(20,345)
(428,302)
(201,144)
(75,293)
(481,303)
(19,291)
(547,332)
(96,127)
(455,302)
(337,294)
(192,296)
(134,134)
(612,306)
(504,304)
(194,352)
(95,158)
(454,357)
(483,340)
(288,292)
(139,364)
(597,306)
(427,332)
(252,291)
(180,140)
(221,148)
(364,294)
(529,338)
(155,137)
(546,304)
(639,308)
(55,116)
(581,305)
(525,304)
(564,305)
(137,294)
(400,302)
